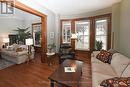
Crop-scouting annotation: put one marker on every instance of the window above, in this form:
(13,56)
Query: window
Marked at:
(66,31)
(88,31)
(102,32)
(82,30)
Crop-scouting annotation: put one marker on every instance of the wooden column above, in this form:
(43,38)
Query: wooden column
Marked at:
(73,44)
(73,31)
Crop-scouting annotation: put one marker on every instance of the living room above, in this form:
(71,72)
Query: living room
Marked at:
(90,24)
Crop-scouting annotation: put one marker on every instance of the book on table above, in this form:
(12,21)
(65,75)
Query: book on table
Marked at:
(69,69)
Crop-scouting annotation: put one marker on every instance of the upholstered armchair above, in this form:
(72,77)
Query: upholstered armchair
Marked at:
(65,52)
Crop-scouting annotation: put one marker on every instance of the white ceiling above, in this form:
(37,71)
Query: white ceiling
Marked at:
(68,7)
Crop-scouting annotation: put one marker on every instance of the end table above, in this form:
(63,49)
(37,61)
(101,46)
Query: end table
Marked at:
(49,58)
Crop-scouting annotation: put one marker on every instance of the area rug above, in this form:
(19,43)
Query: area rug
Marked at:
(4,64)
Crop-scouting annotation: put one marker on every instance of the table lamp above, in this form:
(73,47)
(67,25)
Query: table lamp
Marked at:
(6,41)
(29,42)
(74,36)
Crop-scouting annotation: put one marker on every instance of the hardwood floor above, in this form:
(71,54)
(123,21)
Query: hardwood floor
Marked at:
(36,74)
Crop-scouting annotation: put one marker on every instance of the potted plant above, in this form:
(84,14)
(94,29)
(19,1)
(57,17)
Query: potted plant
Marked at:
(23,34)
(98,45)
(51,47)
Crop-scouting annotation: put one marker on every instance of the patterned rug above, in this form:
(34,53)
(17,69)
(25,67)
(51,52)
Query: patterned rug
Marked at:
(4,64)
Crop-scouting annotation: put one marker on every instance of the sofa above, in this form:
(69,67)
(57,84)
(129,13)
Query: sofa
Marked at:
(119,67)
(16,53)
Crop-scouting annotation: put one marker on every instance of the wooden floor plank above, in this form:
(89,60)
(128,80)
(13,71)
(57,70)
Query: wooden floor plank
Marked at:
(36,74)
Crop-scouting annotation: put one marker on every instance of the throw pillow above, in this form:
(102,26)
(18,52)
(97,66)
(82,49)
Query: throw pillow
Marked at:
(15,46)
(116,82)
(104,56)
(19,49)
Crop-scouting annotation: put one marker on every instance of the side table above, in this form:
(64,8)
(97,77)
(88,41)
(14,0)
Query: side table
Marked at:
(49,58)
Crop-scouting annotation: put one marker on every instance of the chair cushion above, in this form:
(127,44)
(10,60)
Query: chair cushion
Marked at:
(104,56)
(116,82)
(66,56)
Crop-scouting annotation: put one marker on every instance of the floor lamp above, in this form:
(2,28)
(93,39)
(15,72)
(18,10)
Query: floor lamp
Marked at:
(29,42)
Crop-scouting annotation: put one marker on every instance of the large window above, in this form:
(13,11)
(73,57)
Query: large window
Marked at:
(88,31)
(101,32)
(82,30)
(66,31)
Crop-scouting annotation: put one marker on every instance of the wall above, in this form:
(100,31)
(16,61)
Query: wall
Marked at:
(88,14)
(29,22)
(57,30)
(116,25)
(7,25)
(10,22)
(50,17)
(125,27)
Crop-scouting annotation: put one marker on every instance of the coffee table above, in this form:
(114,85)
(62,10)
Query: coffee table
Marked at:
(69,79)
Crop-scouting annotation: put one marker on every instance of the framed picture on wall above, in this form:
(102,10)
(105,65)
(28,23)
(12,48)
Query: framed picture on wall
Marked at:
(52,35)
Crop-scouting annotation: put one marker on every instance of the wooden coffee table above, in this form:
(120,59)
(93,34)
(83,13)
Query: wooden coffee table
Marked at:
(69,79)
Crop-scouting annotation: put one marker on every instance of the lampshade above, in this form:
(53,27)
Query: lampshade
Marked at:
(74,36)
(29,41)
(6,40)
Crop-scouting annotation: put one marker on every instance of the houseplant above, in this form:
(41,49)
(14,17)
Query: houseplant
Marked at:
(23,34)
(51,47)
(98,45)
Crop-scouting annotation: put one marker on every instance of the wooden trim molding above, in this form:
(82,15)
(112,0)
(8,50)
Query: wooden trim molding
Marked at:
(43,24)
(92,29)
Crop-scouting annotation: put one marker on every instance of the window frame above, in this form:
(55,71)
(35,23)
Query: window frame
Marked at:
(92,29)
(87,49)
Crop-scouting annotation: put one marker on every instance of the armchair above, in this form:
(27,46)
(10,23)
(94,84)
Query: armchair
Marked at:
(65,52)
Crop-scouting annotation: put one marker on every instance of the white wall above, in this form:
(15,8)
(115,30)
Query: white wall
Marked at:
(20,19)
(29,22)
(7,25)
(125,27)
(58,32)
(88,14)
(116,25)
(50,17)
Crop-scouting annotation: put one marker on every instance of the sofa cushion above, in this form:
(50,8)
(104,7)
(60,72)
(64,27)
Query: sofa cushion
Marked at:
(116,82)
(103,68)
(95,60)
(126,72)
(119,62)
(112,51)
(104,56)
(97,78)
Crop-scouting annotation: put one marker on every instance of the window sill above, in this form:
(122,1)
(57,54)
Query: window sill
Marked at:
(82,50)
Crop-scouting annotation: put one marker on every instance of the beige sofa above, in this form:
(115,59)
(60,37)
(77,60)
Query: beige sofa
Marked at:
(119,67)
(16,57)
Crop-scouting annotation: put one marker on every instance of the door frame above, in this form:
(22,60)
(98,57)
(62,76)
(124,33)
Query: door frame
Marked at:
(43,22)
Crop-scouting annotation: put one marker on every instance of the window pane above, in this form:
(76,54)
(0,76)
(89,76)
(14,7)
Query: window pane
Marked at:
(82,29)
(66,31)
(101,32)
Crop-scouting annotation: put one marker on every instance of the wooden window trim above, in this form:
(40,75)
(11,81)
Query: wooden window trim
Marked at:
(92,29)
